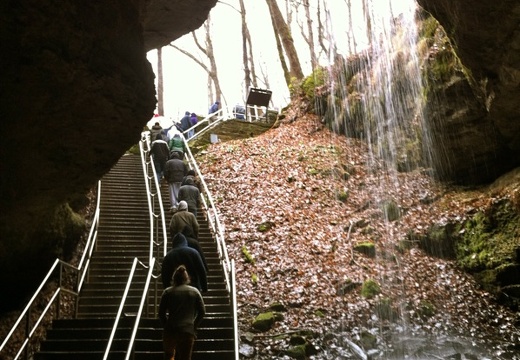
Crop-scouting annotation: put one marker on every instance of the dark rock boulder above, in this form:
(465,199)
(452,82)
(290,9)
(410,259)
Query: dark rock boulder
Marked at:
(478,120)
(76,92)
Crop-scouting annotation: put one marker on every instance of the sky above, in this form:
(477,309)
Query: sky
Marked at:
(186,84)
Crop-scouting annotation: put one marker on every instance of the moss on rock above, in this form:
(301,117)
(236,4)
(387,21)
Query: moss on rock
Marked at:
(370,289)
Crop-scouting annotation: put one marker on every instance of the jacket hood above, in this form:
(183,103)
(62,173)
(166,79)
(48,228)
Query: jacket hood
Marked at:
(189,181)
(179,240)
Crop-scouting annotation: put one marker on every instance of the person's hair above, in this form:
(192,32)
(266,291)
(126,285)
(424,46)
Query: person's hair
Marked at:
(180,276)
(190,172)
(158,137)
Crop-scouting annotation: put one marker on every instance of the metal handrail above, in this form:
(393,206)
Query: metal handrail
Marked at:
(144,147)
(234,307)
(155,245)
(215,225)
(213,219)
(129,351)
(81,270)
(91,243)
(218,232)
(218,116)
(145,152)
(120,309)
(40,318)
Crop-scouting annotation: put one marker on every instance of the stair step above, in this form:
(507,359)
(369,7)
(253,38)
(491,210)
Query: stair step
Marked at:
(123,235)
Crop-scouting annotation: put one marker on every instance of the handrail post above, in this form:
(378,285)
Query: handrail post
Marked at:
(27,331)
(60,278)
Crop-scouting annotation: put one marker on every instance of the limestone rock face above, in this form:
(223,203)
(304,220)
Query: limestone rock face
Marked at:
(479,129)
(76,91)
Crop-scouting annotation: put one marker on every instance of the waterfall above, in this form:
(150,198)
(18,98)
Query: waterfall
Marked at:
(383,103)
(375,93)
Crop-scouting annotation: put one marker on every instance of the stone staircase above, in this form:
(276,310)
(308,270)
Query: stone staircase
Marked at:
(123,235)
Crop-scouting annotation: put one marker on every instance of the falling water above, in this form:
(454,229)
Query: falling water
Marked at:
(384,106)
(377,96)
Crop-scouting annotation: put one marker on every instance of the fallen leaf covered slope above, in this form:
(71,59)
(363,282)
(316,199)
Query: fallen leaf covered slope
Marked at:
(299,197)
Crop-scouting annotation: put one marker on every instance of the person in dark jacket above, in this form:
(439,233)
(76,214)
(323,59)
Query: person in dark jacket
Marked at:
(181,311)
(186,122)
(214,108)
(160,153)
(181,218)
(156,129)
(193,243)
(191,174)
(191,194)
(193,120)
(182,254)
(174,171)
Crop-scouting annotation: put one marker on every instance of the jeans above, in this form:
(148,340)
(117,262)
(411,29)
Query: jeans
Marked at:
(174,193)
(159,169)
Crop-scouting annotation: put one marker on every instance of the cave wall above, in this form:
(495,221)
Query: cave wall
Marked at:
(76,92)
(476,120)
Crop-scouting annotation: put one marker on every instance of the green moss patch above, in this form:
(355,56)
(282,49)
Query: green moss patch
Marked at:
(370,289)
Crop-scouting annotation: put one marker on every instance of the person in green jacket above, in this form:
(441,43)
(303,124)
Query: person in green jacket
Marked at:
(176,144)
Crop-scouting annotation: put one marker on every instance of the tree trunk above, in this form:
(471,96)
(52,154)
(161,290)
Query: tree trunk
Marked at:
(213,64)
(324,32)
(160,83)
(284,34)
(207,50)
(245,34)
(368,16)
(352,44)
(310,34)
(279,48)
(254,78)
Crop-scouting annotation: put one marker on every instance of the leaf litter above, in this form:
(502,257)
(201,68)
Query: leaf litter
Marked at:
(321,193)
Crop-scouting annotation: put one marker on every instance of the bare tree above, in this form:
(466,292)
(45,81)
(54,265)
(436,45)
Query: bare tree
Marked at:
(245,32)
(283,63)
(352,45)
(247,52)
(368,17)
(211,69)
(213,74)
(307,32)
(251,62)
(324,31)
(160,83)
(284,37)
(247,49)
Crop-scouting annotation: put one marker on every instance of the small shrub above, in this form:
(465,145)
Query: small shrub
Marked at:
(343,195)
(249,258)
(426,309)
(370,289)
(265,226)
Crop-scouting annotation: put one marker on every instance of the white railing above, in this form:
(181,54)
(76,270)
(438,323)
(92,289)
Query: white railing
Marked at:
(215,225)
(158,234)
(82,275)
(122,304)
